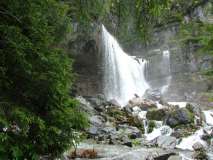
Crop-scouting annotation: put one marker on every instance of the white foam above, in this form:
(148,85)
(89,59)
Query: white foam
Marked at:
(164,130)
(188,142)
(142,114)
(209,117)
(160,106)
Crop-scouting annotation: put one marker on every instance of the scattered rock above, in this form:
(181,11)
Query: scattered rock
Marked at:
(200,154)
(197,146)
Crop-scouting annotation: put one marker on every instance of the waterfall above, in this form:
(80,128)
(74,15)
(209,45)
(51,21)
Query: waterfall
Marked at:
(166,70)
(123,74)
(145,125)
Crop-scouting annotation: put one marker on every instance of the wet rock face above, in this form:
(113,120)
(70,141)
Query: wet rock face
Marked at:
(86,64)
(83,48)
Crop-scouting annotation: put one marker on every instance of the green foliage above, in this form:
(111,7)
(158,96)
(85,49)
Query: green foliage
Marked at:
(35,78)
(130,20)
(136,142)
(86,12)
(133,18)
(151,126)
(136,18)
(208,72)
(198,32)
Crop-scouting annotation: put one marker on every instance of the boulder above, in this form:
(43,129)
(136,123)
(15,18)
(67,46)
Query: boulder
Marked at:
(130,131)
(96,121)
(167,142)
(158,115)
(85,106)
(108,129)
(179,116)
(144,104)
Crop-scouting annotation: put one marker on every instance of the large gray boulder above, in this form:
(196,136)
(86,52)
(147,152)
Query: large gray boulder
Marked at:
(96,121)
(167,142)
(179,117)
(131,131)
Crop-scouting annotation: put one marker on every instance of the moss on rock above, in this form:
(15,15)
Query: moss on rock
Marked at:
(157,115)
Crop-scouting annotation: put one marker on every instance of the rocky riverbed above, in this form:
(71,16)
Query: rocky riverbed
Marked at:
(145,129)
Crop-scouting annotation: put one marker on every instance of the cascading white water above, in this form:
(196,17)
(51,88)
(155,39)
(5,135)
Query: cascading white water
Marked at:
(145,126)
(123,74)
(166,69)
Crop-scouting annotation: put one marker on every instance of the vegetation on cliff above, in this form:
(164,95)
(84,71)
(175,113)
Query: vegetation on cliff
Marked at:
(131,20)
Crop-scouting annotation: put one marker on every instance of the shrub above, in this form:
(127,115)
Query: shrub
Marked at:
(84,153)
(37,116)
(151,126)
